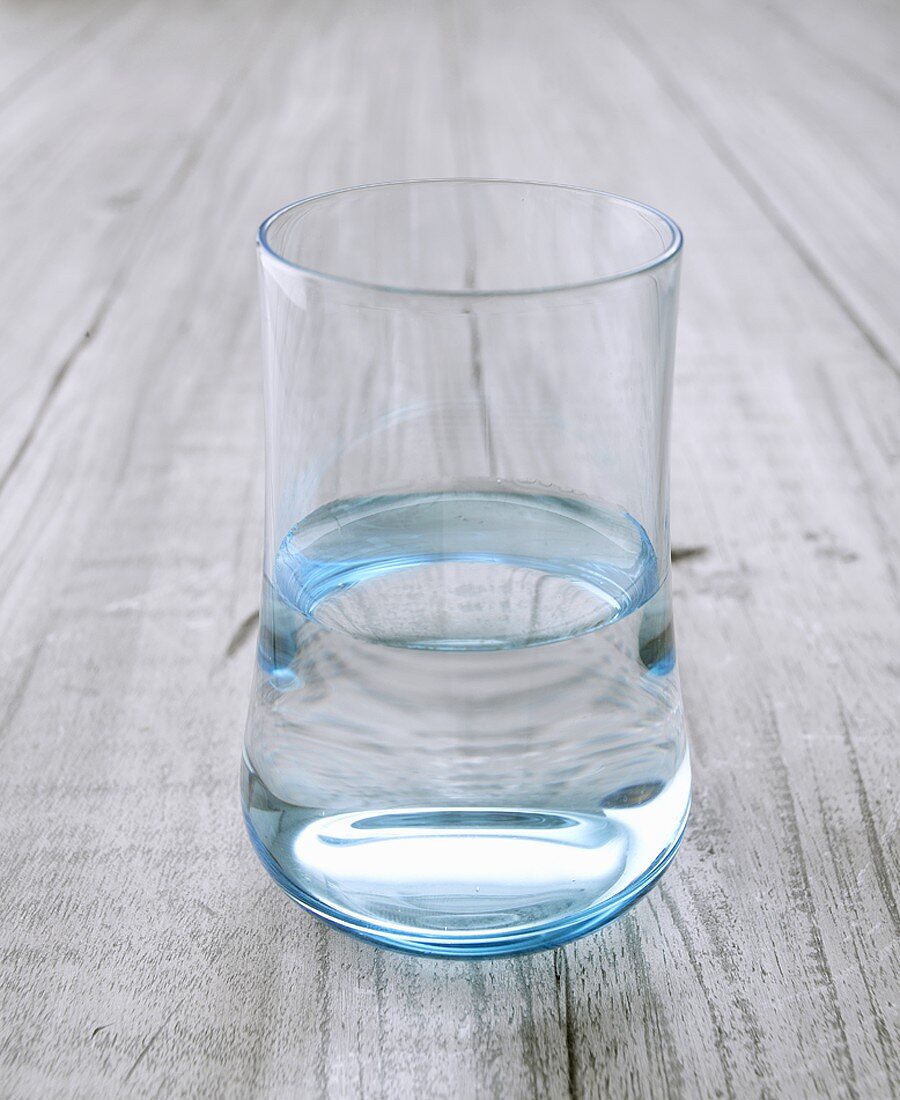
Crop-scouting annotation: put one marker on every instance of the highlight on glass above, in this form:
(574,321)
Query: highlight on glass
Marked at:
(465,734)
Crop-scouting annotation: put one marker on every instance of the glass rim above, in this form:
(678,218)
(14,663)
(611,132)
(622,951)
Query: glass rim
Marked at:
(661,259)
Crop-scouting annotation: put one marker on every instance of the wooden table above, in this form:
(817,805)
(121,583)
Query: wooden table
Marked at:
(145,953)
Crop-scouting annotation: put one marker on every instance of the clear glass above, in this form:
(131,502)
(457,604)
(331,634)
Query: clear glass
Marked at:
(465,735)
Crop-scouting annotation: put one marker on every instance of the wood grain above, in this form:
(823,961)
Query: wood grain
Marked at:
(144,952)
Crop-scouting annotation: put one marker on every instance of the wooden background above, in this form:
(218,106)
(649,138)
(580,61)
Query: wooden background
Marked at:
(144,951)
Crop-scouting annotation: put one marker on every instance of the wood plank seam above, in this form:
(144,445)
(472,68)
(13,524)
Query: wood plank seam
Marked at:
(182,172)
(719,145)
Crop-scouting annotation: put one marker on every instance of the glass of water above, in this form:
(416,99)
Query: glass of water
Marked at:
(465,736)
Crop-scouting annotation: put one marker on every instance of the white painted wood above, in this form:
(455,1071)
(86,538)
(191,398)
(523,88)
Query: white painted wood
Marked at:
(91,151)
(144,951)
(862,38)
(35,38)
(809,128)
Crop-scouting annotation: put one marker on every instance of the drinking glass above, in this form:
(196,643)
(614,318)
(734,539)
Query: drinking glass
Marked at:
(465,734)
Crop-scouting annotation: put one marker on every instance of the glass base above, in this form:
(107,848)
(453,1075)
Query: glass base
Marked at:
(459,882)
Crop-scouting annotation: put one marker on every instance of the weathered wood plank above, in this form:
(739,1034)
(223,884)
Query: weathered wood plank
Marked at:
(144,952)
(863,38)
(90,156)
(812,137)
(36,37)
